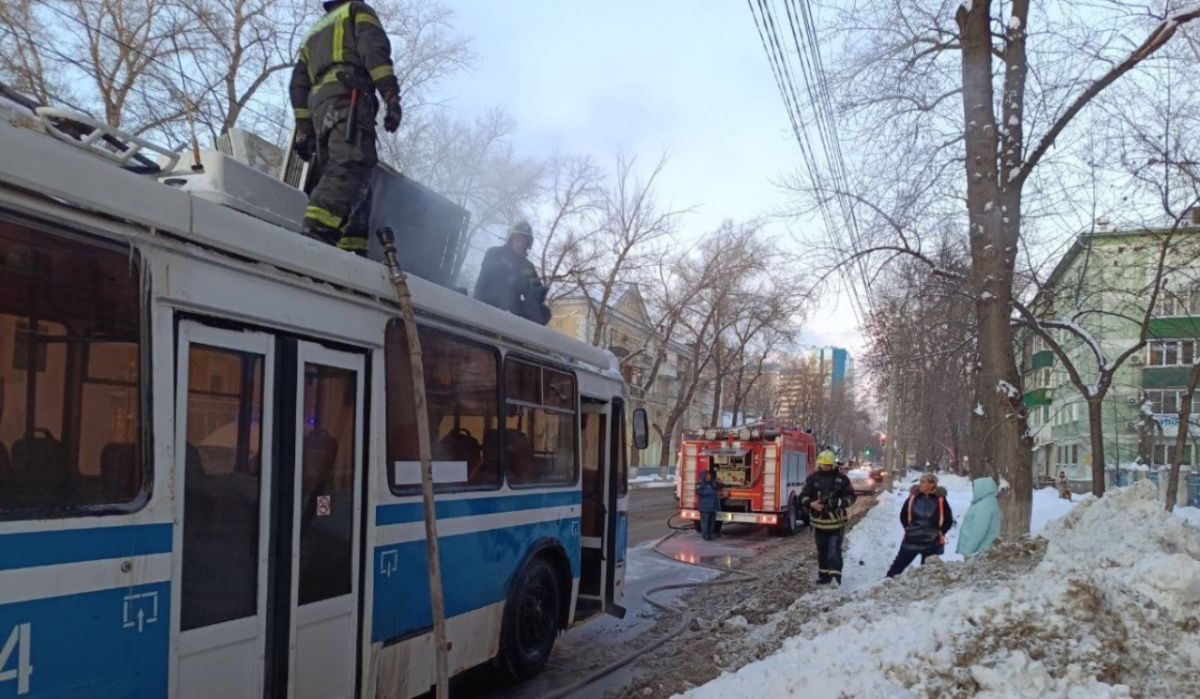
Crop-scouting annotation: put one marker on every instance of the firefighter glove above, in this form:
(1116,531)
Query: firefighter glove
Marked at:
(305,140)
(391,118)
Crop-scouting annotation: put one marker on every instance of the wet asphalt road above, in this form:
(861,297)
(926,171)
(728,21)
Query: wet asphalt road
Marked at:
(576,651)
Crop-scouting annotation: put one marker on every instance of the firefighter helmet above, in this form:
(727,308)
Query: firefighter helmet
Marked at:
(826,460)
(520,228)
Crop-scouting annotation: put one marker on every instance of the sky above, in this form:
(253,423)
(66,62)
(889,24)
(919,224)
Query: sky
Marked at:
(687,78)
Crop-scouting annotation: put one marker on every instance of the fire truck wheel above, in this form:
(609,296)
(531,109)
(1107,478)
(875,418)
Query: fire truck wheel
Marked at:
(696,526)
(790,525)
(530,622)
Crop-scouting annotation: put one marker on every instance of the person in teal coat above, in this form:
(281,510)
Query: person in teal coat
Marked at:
(981,525)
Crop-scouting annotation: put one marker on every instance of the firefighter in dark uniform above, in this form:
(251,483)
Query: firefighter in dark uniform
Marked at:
(508,280)
(827,493)
(345,52)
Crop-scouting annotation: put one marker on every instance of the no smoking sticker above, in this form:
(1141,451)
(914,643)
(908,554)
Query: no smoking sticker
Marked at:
(323,506)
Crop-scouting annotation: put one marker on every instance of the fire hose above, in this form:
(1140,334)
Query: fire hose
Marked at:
(685,615)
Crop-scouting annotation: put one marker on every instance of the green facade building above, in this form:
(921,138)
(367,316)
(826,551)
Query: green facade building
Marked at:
(1103,285)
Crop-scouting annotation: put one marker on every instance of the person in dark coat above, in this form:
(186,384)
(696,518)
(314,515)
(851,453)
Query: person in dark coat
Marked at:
(708,498)
(926,517)
(827,493)
(508,280)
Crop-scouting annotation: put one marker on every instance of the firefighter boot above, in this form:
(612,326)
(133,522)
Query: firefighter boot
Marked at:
(321,232)
(823,579)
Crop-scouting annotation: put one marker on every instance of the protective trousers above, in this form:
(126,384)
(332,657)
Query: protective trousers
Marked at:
(343,170)
(829,554)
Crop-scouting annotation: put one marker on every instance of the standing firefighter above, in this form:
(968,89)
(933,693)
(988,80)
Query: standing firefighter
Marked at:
(508,280)
(344,59)
(827,493)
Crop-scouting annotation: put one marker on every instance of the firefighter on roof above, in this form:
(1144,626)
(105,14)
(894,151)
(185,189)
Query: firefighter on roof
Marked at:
(508,280)
(827,493)
(343,60)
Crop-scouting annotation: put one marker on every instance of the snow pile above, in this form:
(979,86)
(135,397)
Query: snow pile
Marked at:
(1110,610)
(872,543)
(652,480)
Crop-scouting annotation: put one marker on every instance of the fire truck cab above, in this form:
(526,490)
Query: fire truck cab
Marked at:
(760,469)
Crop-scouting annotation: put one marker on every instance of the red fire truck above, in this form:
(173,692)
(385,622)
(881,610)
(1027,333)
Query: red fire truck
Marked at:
(760,468)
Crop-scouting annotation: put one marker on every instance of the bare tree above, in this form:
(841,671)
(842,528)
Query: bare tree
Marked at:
(239,45)
(907,64)
(474,164)
(568,217)
(922,355)
(115,59)
(717,278)
(624,245)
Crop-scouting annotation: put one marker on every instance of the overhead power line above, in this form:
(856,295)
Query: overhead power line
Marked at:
(825,166)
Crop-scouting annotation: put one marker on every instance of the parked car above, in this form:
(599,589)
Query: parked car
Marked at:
(862,481)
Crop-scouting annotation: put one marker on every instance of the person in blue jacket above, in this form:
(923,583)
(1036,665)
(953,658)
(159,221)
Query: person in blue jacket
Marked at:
(709,500)
(981,525)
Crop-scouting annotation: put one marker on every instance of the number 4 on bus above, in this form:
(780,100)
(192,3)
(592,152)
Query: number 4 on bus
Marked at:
(18,640)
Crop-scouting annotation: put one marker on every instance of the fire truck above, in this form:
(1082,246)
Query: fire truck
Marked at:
(760,469)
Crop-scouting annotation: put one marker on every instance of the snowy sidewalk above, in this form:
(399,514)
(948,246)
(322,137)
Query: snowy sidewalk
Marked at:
(1105,606)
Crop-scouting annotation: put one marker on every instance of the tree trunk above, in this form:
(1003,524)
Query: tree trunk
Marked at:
(1147,429)
(1185,416)
(668,440)
(998,440)
(1095,406)
(716,414)
(955,441)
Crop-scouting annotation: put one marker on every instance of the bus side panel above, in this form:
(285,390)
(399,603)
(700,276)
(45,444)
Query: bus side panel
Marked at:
(75,620)
(481,542)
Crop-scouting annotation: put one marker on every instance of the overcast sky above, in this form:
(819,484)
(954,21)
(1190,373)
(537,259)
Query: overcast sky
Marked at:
(686,77)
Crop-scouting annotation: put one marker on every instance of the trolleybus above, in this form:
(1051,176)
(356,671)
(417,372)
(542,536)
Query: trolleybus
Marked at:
(209,483)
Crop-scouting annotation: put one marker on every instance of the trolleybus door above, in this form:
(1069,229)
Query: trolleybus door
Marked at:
(325,512)
(223,447)
(596,508)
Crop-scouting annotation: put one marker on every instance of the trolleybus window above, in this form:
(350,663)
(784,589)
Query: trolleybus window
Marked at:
(70,327)
(541,420)
(328,466)
(462,398)
(223,473)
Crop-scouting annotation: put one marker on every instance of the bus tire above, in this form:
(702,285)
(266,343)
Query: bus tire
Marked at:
(531,620)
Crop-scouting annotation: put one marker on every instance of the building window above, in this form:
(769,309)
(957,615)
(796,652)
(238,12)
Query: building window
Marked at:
(1164,454)
(1173,303)
(462,398)
(1166,401)
(1171,352)
(540,423)
(70,373)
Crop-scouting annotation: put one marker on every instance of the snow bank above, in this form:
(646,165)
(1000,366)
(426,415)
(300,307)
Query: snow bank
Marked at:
(652,481)
(872,544)
(1108,611)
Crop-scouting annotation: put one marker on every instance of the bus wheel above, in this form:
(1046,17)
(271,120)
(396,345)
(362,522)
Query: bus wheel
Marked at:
(530,622)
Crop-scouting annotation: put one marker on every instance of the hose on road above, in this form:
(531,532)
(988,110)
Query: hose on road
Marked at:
(686,525)
(729,577)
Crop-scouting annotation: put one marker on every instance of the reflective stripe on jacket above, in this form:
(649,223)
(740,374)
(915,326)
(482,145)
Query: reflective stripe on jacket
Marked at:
(831,488)
(350,39)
